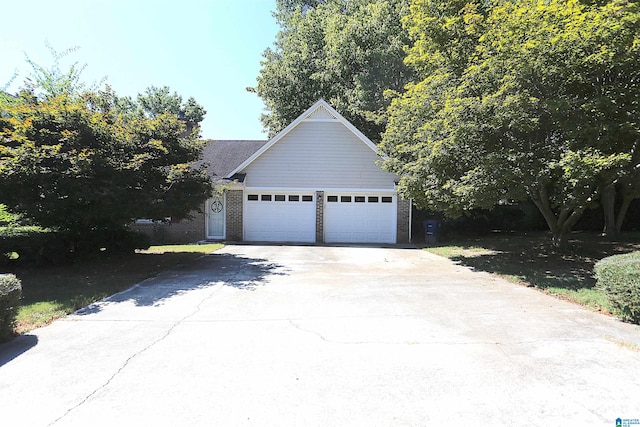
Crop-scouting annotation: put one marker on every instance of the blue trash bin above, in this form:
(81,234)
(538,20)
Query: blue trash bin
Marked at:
(431,230)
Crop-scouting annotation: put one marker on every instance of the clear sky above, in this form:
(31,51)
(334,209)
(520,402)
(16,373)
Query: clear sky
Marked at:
(208,49)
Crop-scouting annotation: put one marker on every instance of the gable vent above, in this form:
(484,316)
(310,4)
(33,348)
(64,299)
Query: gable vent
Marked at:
(321,113)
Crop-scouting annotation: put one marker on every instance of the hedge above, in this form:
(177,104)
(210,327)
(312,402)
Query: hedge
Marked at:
(30,243)
(10,293)
(619,277)
(35,244)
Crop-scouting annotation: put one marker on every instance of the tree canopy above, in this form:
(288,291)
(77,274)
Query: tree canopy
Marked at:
(518,100)
(69,165)
(346,52)
(88,161)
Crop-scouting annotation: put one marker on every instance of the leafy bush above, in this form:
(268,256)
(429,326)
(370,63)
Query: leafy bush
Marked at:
(7,218)
(10,293)
(30,243)
(110,240)
(39,245)
(619,277)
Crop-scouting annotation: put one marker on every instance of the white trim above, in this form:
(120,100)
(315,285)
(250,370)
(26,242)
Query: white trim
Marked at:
(296,122)
(326,190)
(312,119)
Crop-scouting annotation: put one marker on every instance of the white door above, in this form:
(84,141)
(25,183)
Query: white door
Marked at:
(279,216)
(216,218)
(360,218)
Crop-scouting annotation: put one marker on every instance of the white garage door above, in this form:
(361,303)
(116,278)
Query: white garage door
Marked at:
(360,218)
(279,217)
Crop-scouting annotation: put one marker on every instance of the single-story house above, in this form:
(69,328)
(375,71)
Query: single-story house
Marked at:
(318,180)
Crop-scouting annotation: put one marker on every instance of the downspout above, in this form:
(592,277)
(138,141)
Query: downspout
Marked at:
(410,217)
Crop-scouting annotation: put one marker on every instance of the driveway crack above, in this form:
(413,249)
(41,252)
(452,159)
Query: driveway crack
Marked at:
(215,290)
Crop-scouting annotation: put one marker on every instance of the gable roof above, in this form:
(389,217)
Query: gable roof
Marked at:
(223,156)
(320,111)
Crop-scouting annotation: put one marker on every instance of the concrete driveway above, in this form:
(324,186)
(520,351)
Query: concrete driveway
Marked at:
(324,336)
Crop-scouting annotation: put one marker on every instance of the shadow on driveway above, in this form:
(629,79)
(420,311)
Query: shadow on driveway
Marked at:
(16,347)
(209,270)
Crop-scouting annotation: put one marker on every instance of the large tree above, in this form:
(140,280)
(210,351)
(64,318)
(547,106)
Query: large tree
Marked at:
(347,52)
(515,102)
(68,164)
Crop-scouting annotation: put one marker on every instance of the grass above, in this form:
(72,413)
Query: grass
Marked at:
(201,249)
(52,292)
(531,260)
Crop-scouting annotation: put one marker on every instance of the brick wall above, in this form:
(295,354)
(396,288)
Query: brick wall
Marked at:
(319,216)
(234,215)
(185,231)
(404,209)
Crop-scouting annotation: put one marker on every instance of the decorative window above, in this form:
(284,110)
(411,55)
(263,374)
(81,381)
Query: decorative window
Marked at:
(252,197)
(387,199)
(332,198)
(143,221)
(280,198)
(307,198)
(345,199)
(359,199)
(373,199)
(265,197)
(294,198)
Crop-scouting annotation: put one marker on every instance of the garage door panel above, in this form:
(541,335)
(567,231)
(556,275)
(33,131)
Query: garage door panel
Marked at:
(279,217)
(360,218)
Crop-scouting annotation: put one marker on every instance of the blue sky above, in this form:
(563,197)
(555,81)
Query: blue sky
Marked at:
(210,50)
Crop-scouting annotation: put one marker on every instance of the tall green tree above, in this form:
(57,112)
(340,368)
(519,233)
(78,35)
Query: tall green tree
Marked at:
(526,113)
(69,164)
(52,80)
(89,162)
(347,52)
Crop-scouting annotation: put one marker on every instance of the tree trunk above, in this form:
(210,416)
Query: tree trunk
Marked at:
(560,239)
(560,225)
(608,201)
(622,213)
(541,200)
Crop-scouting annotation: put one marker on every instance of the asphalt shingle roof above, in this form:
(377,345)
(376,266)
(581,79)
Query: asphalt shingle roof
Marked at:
(223,156)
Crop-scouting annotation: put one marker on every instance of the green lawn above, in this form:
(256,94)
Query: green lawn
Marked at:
(531,260)
(51,292)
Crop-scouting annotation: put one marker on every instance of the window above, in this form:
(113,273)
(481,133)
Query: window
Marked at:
(265,197)
(387,199)
(332,198)
(373,199)
(252,197)
(141,221)
(345,199)
(280,198)
(359,199)
(294,198)
(307,198)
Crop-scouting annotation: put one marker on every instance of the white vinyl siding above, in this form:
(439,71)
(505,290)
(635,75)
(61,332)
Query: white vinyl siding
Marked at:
(318,154)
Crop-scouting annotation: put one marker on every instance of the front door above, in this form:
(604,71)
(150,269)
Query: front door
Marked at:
(216,217)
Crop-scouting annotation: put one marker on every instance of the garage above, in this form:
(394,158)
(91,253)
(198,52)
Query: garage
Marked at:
(279,216)
(360,218)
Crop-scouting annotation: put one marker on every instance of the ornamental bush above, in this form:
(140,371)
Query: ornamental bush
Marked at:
(10,293)
(31,244)
(619,277)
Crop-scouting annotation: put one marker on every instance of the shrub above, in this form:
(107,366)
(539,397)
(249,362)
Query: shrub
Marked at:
(10,293)
(113,241)
(619,277)
(35,244)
